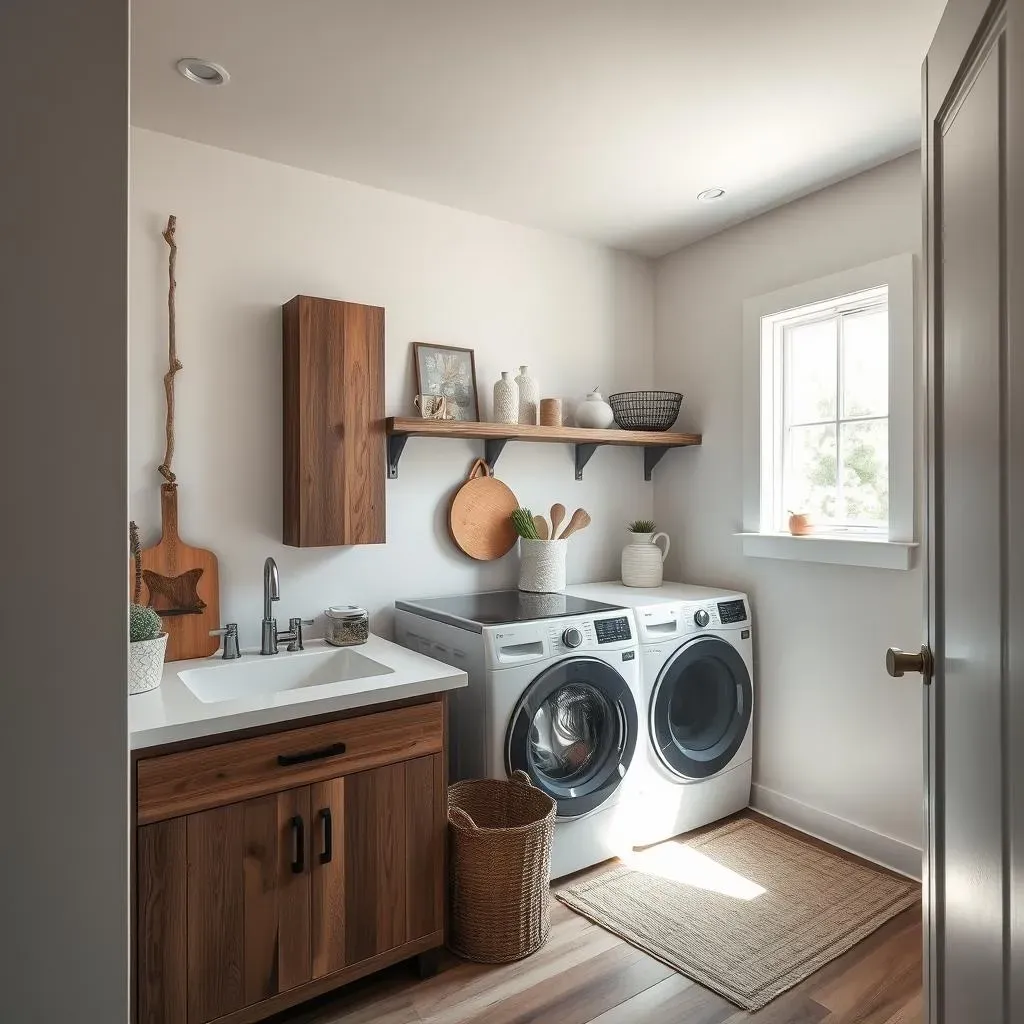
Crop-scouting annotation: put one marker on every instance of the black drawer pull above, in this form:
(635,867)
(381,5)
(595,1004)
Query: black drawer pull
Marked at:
(286,760)
(299,834)
(328,851)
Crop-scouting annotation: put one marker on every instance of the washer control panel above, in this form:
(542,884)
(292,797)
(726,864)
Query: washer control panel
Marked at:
(611,631)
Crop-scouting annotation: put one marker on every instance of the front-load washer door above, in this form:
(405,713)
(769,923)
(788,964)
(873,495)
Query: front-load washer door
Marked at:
(700,708)
(574,732)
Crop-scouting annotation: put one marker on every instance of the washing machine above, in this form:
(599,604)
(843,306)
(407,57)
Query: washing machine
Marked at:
(554,691)
(697,674)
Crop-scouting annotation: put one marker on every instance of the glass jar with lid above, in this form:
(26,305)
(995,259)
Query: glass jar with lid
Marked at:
(347,625)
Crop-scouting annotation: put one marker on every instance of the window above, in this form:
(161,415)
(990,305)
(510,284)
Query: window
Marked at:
(821,434)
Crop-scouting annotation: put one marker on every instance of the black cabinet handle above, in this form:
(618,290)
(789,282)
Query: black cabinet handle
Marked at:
(328,851)
(286,760)
(299,839)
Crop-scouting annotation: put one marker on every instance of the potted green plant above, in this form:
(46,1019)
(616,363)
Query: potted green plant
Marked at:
(642,558)
(147,636)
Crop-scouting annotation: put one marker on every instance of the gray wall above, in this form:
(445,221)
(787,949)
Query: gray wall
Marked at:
(63,414)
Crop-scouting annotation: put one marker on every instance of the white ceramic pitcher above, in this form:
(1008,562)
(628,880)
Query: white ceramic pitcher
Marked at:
(642,559)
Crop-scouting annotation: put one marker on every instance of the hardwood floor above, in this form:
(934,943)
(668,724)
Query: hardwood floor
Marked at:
(585,975)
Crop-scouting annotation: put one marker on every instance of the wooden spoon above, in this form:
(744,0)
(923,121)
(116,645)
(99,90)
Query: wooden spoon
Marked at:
(580,521)
(557,515)
(540,524)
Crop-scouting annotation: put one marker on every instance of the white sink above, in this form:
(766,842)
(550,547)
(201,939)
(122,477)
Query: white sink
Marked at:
(276,673)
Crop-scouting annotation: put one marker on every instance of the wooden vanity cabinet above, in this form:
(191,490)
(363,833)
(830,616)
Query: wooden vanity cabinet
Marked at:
(247,907)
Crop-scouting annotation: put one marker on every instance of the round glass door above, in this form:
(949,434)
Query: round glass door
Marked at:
(700,709)
(574,733)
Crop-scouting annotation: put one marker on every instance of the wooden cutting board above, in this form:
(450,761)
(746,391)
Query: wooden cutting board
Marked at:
(182,584)
(478,519)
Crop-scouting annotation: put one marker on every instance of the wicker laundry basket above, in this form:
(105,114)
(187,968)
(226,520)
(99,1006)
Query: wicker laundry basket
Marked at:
(500,865)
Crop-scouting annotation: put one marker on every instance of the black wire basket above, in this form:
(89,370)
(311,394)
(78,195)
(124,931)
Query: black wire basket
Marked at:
(646,410)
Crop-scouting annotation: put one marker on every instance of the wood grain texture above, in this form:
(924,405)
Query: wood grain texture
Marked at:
(525,432)
(333,379)
(479,515)
(375,862)
(216,913)
(192,780)
(277,901)
(161,939)
(328,877)
(188,636)
(585,975)
(426,834)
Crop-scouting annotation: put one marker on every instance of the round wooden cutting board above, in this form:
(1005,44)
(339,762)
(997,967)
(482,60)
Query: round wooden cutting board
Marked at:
(478,519)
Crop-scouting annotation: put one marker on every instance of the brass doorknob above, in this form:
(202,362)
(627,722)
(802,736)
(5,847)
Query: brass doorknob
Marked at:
(898,663)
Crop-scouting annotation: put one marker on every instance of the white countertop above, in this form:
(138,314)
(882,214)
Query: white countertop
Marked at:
(172,712)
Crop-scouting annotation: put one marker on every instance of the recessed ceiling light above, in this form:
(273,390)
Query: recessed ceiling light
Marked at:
(205,72)
(709,195)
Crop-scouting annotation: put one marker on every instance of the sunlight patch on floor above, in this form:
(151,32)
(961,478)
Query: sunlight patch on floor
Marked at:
(679,863)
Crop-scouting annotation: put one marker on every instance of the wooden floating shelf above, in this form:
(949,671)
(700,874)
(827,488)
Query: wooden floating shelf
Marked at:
(496,435)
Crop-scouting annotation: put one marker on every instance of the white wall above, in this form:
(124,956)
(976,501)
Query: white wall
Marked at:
(251,235)
(833,733)
(63,606)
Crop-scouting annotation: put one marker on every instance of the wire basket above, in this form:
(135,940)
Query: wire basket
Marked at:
(500,865)
(646,410)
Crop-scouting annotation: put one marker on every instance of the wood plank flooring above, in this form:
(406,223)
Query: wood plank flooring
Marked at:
(585,975)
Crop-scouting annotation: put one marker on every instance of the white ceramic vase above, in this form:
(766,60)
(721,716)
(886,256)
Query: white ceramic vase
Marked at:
(642,559)
(529,396)
(594,412)
(542,565)
(146,664)
(506,399)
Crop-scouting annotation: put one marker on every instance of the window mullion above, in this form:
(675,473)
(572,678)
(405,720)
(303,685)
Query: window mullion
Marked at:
(840,496)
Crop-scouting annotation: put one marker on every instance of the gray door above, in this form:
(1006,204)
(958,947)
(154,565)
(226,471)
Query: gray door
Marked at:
(974,156)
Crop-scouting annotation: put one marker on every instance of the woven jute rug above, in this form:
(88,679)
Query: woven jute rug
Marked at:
(745,910)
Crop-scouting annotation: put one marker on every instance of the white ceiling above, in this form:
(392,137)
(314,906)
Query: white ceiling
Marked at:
(596,118)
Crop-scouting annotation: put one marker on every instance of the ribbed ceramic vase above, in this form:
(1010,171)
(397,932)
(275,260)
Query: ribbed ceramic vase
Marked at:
(642,559)
(506,399)
(529,396)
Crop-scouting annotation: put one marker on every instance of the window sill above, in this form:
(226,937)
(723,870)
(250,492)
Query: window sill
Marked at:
(830,549)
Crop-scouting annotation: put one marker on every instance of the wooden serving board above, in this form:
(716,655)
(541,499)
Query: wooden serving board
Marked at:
(182,584)
(478,519)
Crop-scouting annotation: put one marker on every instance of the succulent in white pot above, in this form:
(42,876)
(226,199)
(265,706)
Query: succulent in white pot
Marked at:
(148,640)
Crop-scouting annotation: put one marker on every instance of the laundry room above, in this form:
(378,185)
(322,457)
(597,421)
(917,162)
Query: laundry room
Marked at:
(596,524)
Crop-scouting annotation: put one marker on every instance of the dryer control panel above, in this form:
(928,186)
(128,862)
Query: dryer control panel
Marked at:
(526,642)
(669,621)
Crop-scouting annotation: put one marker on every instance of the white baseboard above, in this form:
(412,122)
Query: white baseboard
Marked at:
(874,846)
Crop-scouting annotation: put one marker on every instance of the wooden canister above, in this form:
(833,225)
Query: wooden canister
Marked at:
(550,412)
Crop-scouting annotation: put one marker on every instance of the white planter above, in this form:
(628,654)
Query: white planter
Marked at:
(642,560)
(594,412)
(146,664)
(529,396)
(506,399)
(542,565)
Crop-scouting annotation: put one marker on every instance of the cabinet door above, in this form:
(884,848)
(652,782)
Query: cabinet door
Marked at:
(426,824)
(248,903)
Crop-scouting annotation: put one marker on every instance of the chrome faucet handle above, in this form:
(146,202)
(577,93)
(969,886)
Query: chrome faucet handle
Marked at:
(230,634)
(295,633)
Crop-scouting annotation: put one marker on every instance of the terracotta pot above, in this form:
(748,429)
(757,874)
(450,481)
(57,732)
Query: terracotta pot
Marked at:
(800,524)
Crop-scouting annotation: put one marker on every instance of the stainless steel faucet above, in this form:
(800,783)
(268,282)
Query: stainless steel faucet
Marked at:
(269,636)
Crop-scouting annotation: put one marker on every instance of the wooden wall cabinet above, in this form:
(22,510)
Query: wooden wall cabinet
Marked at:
(334,443)
(247,908)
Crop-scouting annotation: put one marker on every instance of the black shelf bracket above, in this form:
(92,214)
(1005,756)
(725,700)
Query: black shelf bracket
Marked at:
(396,445)
(583,454)
(493,447)
(652,456)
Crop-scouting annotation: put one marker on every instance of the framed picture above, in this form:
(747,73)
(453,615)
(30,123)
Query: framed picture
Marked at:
(448,372)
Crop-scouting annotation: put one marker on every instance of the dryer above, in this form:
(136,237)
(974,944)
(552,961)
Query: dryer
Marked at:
(554,690)
(697,675)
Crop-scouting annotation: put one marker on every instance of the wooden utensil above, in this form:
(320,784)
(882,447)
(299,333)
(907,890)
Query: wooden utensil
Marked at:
(541,525)
(181,583)
(580,521)
(478,519)
(557,515)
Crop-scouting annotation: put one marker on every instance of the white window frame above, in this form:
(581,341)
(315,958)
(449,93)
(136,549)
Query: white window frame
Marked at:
(763,318)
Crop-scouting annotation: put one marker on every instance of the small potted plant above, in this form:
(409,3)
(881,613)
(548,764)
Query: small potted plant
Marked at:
(642,558)
(148,640)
